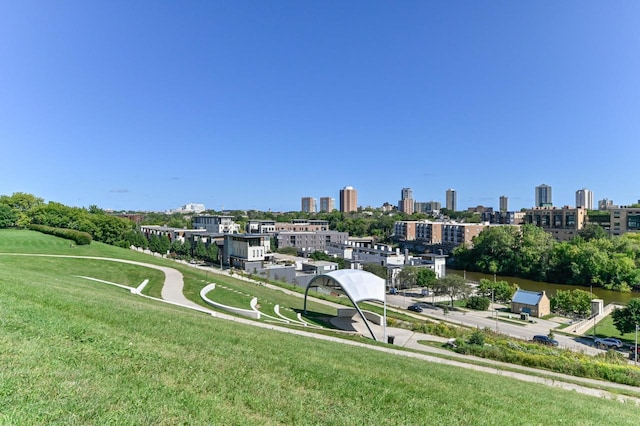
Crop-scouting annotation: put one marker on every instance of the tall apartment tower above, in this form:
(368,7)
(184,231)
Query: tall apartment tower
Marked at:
(452,200)
(327,204)
(308,204)
(348,199)
(543,196)
(584,198)
(406,203)
(504,203)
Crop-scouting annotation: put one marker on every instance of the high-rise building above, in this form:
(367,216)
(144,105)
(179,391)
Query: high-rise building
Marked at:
(543,196)
(405,204)
(434,205)
(327,204)
(406,194)
(308,204)
(605,204)
(348,199)
(584,198)
(451,200)
(504,203)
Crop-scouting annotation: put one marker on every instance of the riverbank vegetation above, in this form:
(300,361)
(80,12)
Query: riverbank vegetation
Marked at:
(529,252)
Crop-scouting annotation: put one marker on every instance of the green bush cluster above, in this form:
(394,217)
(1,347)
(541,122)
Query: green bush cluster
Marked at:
(437,329)
(80,238)
(611,366)
(478,303)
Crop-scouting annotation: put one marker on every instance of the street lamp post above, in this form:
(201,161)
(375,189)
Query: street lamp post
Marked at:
(635,354)
(495,311)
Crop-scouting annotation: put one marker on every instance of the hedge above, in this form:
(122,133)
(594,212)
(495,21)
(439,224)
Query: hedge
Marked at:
(80,238)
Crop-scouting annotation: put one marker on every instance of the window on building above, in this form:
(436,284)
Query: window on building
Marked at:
(633,222)
(571,220)
(557,220)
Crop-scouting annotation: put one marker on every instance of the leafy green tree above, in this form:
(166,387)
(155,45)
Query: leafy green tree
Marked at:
(452,286)
(501,291)
(375,269)
(426,277)
(8,217)
(20,201)
(407,277)
(320,255)
(627,318)
(154,244)
(593,231)
(200,251)
(179,248)
(165,244)
(212,253)
(571,302)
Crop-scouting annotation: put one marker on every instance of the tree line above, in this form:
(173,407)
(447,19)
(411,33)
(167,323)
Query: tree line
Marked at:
(24,210)
(591,258)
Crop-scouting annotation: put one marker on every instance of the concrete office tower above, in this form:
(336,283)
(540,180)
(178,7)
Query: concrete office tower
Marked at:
(406,203)
(348,199)
(308,204)
(543,196)
(452,200)
(504,203)
(327,204)
(584,198)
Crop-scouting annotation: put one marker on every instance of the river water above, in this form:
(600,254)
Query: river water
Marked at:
(599,293)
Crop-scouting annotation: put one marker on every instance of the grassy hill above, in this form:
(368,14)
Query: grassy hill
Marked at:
(79,352)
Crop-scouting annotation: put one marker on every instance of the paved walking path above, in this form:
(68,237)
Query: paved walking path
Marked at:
(172,293)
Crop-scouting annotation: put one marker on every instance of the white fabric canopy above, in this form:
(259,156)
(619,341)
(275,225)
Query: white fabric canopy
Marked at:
(358,285)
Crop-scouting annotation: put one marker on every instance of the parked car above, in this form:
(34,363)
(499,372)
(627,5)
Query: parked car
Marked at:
(415,308)
(607,343)
(545,340)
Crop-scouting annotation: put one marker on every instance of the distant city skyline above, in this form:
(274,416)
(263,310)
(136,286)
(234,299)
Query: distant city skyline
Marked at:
(253,106)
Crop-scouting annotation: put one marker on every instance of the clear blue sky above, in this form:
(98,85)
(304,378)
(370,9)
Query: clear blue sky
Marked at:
(149,105)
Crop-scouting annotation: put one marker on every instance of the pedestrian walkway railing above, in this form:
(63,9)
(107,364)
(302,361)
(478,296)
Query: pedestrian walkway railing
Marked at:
(582,326)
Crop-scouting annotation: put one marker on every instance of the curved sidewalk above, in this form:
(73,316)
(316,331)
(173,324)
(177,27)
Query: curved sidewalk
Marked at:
(172,293)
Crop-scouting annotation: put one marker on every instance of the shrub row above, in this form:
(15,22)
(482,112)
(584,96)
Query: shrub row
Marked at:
(612,367)
(79,237)
(437,329)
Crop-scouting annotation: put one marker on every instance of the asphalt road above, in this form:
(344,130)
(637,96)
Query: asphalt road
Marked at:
(487,319)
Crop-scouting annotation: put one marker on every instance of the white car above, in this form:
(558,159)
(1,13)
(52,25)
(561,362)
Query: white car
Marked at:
(607,343)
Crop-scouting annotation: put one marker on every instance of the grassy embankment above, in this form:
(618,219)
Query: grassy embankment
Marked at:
(78,352)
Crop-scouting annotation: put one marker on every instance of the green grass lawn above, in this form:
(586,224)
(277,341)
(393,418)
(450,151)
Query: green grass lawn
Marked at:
(605,328)
(234,294)
(77,352)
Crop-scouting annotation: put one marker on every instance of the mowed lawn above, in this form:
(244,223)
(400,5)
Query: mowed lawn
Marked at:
(23,241)
(79,352)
